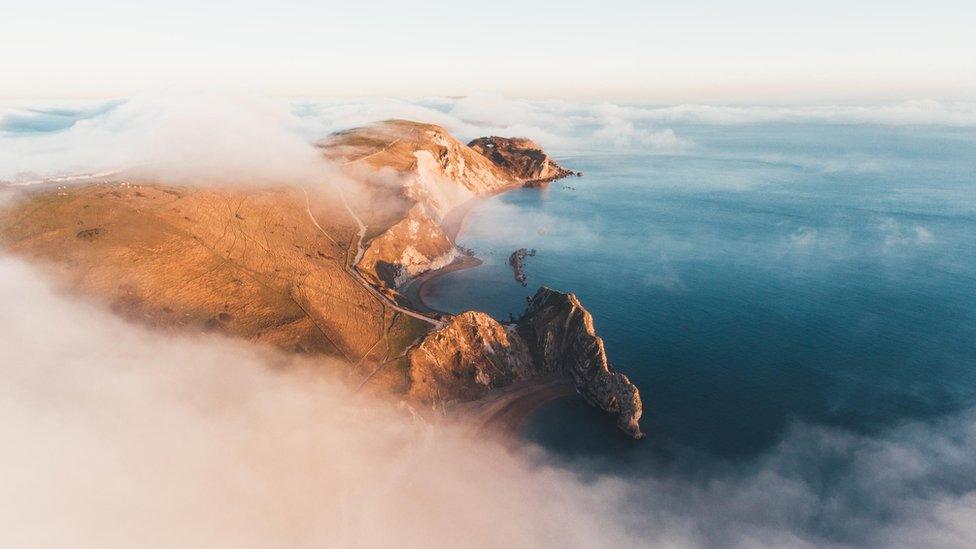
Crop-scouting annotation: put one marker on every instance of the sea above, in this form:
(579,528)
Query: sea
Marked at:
(774,277)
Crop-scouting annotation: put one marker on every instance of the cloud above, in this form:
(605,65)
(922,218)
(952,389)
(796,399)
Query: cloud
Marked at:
(490,224)
(263,137)
(115,434)
(192,138)
(916,112)
(623,134)
(662,274)
(556,125)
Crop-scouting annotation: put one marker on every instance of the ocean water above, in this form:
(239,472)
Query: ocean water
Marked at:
(769,277)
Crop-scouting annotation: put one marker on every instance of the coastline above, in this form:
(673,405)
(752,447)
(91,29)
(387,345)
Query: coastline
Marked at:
(504,411)
(417,289)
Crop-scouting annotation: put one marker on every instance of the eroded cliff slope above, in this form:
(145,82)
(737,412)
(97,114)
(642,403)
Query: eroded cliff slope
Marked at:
(475,353)
(521,158)
(420,173)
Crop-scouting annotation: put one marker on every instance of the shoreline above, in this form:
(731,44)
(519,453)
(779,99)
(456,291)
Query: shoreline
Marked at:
(417,289)
(505,411)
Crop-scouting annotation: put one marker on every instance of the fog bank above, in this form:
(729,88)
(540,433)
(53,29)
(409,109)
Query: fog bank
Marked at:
(117,436)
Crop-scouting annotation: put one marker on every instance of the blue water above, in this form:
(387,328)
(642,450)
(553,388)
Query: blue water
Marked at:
(772,275)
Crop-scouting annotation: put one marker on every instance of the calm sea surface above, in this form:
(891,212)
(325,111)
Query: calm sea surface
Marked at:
(772,275)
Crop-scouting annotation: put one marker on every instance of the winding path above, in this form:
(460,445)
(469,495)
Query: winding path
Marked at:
(351,269)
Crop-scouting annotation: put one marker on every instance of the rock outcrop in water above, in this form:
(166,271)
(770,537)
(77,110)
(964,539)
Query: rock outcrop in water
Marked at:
(517,262)
(475,353)
(560,334)
(522,158)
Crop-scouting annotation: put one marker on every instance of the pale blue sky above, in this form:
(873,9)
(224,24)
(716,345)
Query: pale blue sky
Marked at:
(756,51)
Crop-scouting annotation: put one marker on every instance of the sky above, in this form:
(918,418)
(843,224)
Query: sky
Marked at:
(667,52)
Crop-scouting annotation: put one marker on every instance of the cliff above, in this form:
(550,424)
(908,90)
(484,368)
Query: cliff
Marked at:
(474,353)
(560,334)
(264,264)
(521,158)
(413,246)
(425,166)
(466,358)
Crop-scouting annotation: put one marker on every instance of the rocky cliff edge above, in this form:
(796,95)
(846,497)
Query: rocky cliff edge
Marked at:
(474,353)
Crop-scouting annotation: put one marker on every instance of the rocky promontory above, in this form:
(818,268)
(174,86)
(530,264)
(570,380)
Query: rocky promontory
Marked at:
(561,337)
(521,158)
(475,353)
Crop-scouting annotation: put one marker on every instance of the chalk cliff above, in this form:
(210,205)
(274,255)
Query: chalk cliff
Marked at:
(424,165)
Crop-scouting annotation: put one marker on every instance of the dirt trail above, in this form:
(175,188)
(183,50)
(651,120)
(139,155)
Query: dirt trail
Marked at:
(351,269)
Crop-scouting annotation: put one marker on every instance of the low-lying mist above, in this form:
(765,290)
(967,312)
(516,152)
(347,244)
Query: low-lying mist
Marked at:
(115,435)
(191,139)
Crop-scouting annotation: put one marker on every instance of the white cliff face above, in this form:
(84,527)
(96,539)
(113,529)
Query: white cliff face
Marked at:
(413,263)
(409,248)
(432,185)
(460,163)
(436,173)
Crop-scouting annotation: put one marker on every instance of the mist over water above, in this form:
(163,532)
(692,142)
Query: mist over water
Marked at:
(792,290)
(782,295)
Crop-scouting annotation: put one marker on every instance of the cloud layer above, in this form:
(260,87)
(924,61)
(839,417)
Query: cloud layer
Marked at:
(116,435)
(235,136)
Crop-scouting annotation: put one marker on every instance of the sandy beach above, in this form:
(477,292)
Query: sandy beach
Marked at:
(417,290)
(505,410)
